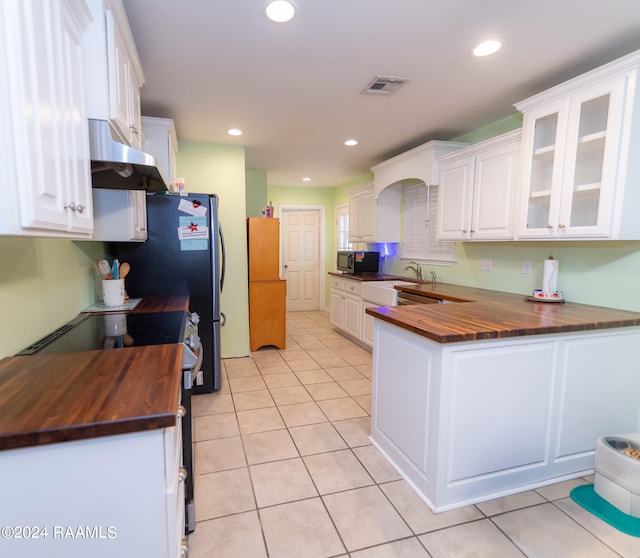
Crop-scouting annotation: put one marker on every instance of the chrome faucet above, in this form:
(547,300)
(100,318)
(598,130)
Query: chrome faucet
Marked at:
(417,270)
(433,278)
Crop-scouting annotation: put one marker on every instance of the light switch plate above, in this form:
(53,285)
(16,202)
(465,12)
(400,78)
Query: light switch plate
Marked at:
(486,264)
(526,267)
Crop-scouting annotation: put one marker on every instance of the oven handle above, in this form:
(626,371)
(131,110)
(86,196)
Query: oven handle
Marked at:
(200,358)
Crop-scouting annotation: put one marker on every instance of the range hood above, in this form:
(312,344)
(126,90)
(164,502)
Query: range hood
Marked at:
(115,165)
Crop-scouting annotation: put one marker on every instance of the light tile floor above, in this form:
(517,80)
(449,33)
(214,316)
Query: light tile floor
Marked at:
(284,469)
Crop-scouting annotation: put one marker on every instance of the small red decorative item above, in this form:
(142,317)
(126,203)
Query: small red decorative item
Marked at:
(193,227)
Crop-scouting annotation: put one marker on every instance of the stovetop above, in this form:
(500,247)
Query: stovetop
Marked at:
(112,331)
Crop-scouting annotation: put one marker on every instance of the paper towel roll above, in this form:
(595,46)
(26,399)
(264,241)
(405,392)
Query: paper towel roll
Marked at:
(550,277)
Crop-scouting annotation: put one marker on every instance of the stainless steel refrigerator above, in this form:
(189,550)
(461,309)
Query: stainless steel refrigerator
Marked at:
(183,255)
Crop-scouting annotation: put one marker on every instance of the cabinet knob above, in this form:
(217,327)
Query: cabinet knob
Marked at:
(184,548)
(561,226)
(182,474)
(80,208)
(464,231)
(71,206)
(549,226)
(181,411)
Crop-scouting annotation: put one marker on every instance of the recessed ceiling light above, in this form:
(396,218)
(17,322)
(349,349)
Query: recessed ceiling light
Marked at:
(280,11)
(234,132)
(351,142)
(486,48)
(306,179)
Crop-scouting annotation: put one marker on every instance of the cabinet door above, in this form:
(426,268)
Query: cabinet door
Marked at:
(33,31)
(571,150)
(352,315)
(124,90)
(138,214)
(493,192)
(336,308)
(593,145)
(120,215)
(454,200)
(49,126)
(75,136)
(362,217)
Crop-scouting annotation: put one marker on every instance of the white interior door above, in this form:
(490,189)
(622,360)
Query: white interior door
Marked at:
(301,258)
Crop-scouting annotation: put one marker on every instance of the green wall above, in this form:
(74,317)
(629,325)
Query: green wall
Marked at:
(256,192)
(44,283)
(601,273)
(219,169)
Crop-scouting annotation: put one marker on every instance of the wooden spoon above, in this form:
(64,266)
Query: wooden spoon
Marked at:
(124,269)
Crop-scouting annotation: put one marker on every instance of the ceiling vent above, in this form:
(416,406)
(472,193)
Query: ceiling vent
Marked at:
(384,85)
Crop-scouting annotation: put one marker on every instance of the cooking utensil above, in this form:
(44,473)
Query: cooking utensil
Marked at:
(104,269)
(124,269)
(115,269)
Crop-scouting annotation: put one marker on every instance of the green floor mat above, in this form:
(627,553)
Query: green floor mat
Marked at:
(586,497)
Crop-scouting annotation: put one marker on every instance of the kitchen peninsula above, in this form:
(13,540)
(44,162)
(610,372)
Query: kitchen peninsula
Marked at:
(494,394)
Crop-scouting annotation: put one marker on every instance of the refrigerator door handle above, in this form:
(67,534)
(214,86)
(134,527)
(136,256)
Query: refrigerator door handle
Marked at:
(224,259)
(223,319)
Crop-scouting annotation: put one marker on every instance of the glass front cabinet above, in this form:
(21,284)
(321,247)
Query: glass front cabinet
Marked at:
(580,179)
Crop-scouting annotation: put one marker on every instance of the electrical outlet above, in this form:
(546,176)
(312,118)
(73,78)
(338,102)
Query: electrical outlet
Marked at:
(526,267)
(486,264)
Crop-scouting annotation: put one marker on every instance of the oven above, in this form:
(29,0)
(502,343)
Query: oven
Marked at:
(118,330)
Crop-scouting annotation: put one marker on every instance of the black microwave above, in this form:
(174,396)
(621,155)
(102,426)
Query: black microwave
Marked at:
(358,262)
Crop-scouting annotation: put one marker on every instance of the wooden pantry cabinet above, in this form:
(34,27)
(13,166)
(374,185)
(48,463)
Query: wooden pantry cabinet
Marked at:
(267,292)
(579,179)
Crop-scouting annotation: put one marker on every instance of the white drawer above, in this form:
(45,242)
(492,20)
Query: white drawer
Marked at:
(336,283)
(352,287)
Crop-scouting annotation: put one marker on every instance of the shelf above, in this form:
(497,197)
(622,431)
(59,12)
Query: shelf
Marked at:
(540,194)
(593,187)
(544,150)
(593,137)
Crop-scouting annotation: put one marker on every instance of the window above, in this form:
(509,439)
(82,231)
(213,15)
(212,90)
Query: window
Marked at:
(342,228)
(420,207)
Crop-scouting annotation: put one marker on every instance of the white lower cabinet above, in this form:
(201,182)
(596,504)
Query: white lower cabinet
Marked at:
(120,215)
(367,323)
(47,184)
(346,306)
(117,495)
(471,421)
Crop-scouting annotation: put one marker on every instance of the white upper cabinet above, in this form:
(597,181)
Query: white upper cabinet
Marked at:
(120,215)
(478,185)
(44,139)
(576,179)
(159,139)
(114,72)
(390,177)
(374,220)
(362,214)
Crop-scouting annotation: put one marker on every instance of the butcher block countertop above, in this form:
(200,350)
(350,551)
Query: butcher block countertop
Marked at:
(48,398)
(484,314)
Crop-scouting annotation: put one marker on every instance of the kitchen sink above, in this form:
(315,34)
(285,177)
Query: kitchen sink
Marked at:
(382,293)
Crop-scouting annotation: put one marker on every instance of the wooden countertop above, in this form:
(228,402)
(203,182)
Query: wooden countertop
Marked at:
(485,314)
(48,398)
(367,276)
